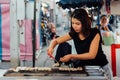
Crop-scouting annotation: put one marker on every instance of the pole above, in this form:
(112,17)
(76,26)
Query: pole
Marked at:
(14,35)
(98,21)
(34,33)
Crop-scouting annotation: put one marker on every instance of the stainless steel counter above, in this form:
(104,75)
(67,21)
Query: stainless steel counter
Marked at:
(49,77)
(53,78)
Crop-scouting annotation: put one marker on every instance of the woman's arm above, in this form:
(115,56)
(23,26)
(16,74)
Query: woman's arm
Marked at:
(56,41)
(85,56)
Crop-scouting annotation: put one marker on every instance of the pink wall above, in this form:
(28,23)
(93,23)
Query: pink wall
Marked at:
(5,31)
(25,49)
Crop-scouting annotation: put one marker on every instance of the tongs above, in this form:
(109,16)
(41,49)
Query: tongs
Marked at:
(51,56)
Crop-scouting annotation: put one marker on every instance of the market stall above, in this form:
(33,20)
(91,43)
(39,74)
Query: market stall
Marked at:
(108,7)
(28,46)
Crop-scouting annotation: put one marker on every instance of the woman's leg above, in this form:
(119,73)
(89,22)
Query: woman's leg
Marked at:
(108,72)
(62,50)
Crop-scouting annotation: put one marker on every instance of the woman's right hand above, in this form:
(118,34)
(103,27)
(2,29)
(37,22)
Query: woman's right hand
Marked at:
(50,51)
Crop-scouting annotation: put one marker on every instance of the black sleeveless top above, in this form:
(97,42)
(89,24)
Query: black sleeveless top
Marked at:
(82,46)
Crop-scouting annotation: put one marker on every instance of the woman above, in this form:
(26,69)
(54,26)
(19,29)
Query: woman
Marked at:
(52,30)
(87,43)
(106,30)
(104,24)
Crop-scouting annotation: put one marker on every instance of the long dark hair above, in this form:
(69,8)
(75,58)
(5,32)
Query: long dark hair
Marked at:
(82,16)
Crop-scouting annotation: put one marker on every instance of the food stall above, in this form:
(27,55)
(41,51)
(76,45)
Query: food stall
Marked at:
(53,73)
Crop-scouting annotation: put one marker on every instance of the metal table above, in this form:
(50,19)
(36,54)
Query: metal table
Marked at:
(54,78)
(50,77)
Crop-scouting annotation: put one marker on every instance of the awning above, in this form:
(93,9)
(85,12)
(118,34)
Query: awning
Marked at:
(79,3)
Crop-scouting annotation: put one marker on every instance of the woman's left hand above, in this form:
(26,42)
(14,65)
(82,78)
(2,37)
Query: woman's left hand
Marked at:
(65,58)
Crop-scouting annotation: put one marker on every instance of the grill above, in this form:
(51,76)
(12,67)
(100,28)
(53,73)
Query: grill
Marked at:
(55,71)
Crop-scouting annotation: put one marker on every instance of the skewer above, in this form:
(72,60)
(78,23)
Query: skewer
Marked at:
(54,58)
